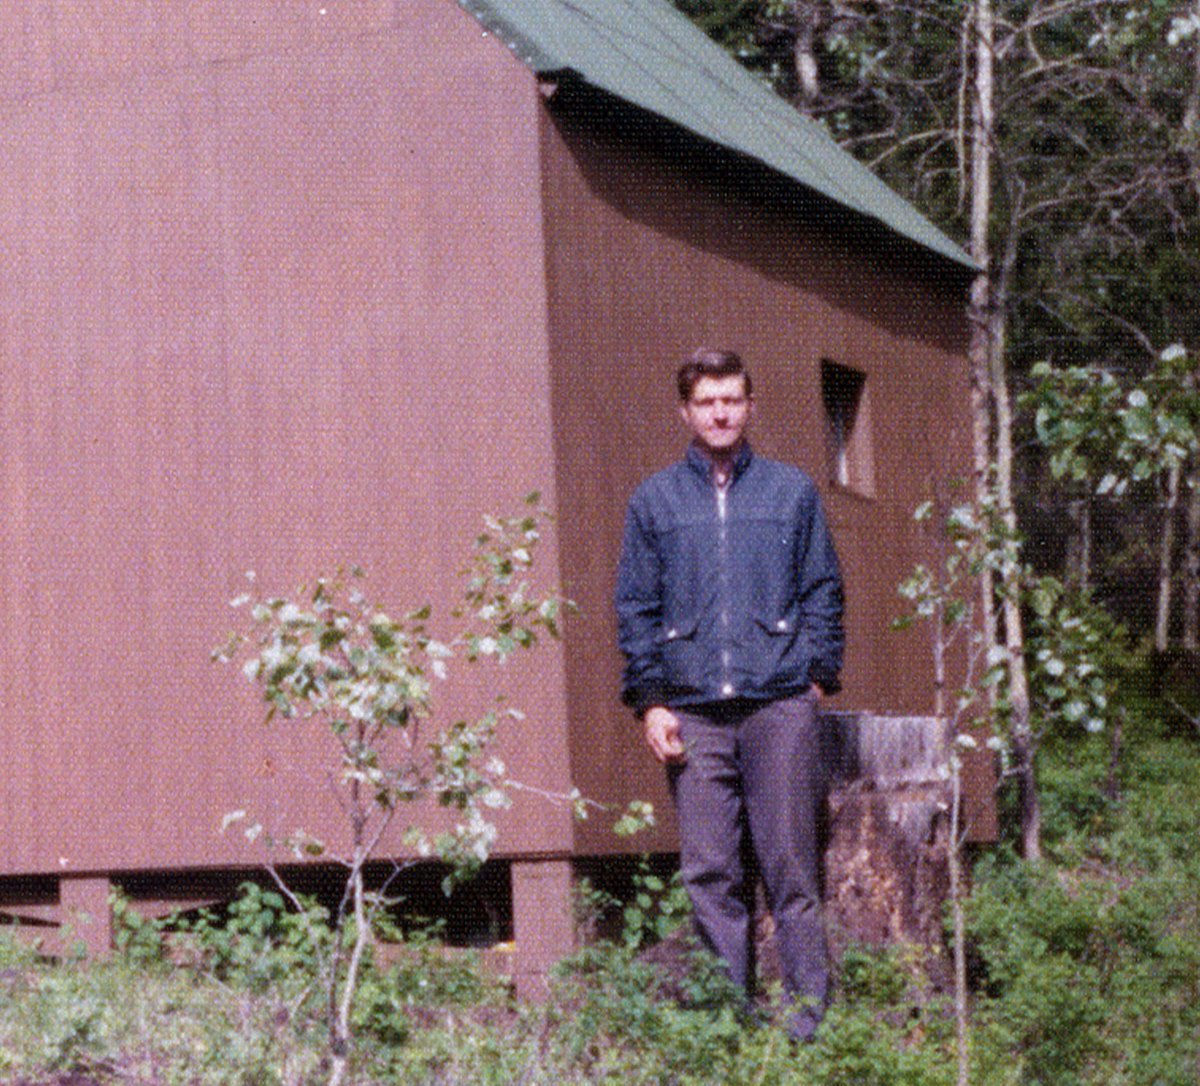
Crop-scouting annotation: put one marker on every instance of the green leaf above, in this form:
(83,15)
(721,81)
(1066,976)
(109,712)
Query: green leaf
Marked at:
(330,636)
(1042,601)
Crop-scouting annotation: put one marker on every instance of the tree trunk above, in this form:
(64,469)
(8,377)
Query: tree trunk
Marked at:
(1080,562)
(886,876)
(979,306)
(343,1030)
(804,53)
(1020,720)
(1191,565)
(1166,547)
(1191,586)
(1024,746)
(987,349)
(962,1022)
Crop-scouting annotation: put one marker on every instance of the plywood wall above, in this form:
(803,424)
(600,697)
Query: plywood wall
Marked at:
(271,297)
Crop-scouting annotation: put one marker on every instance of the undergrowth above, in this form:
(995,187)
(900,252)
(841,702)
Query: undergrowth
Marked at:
(1085,972)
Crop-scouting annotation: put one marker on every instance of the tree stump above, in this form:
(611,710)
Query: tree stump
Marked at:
(886,870)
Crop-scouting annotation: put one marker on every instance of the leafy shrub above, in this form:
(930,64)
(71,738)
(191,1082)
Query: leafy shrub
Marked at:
(658,908)
(858,1048)
(136,938)
(874,976)
(424,975)
(1092,971)
(609,1007)
(257,941)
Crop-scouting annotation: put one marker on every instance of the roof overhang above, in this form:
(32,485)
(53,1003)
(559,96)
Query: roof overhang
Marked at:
(650,55)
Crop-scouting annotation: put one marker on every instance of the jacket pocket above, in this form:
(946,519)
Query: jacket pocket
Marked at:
(781,656)
(682,658)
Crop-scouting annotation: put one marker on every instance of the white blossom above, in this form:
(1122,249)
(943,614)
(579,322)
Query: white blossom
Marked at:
(309,655)
(289,613)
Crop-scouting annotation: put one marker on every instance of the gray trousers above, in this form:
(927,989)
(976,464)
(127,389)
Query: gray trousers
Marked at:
(750,796)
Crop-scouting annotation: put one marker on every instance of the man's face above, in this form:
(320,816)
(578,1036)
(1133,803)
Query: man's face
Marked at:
(718,412)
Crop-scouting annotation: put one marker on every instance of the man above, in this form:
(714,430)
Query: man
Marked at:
(729,607)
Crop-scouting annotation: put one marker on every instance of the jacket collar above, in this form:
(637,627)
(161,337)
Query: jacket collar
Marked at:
(700,461)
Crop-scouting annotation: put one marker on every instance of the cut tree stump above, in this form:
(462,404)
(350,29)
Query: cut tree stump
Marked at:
(886,872)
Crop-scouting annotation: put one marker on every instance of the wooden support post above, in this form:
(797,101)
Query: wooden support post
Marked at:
(84,915)
(543,925)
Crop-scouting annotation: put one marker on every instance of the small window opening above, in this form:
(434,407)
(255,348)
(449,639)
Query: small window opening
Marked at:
(847,428)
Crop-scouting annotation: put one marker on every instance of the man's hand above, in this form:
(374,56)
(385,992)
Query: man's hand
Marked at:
(662,733)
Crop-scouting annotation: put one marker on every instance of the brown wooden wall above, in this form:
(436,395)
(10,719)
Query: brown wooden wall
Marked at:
(656,245)
(271,297)
(282,289)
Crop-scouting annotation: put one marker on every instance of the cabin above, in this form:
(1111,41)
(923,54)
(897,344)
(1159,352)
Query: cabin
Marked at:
(292,286)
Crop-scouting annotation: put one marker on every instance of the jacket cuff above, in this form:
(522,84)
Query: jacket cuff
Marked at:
(644,697)
(827,680)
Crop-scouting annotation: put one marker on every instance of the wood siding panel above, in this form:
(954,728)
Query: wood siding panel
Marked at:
(277,313)
(56,45)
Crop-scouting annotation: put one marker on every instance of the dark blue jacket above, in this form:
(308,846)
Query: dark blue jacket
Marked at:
(738,597)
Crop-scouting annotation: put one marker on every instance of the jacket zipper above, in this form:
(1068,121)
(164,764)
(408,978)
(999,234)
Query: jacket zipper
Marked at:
(727,687)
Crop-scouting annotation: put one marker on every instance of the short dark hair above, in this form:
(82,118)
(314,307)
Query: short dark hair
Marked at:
(709,362)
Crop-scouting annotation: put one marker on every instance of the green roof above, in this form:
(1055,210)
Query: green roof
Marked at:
(648,53)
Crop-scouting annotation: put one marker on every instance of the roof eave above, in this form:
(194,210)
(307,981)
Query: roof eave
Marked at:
(549,67)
